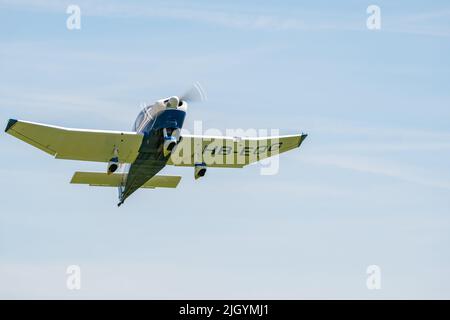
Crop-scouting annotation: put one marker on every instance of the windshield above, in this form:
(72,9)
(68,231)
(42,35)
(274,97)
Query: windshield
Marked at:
(139,120)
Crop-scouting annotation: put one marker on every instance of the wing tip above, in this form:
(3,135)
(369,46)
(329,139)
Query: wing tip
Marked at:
(302,137)
(11,123)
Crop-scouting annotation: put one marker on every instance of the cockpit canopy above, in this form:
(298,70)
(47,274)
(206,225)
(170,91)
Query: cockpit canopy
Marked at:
(151,112)
(140,118)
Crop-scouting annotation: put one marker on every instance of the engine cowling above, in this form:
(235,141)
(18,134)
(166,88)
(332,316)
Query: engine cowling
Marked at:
(199,170)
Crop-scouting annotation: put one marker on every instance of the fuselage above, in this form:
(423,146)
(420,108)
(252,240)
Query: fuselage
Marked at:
(153,122)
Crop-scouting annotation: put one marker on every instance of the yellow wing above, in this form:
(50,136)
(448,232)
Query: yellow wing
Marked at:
(230,152)
(77,144)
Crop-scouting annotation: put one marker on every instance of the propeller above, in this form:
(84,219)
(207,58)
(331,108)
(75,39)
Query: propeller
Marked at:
(195,94)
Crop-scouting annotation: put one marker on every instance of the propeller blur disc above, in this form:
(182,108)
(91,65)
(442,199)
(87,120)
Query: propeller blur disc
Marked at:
(195,94)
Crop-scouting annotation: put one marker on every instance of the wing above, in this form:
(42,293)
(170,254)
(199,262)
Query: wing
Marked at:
(77,144)
(230,152)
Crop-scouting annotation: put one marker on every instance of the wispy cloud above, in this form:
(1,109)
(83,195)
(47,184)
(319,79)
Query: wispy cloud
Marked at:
(424,23)
(381,167)
(383,151)
(394,146)
(14,102)
(336,126)
(204,15)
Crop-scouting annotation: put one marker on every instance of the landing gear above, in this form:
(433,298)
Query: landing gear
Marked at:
(121,199)
(177,134)
(113,163)
(199,170)
(170,142)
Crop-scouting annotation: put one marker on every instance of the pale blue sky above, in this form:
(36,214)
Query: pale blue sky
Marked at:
(370,185)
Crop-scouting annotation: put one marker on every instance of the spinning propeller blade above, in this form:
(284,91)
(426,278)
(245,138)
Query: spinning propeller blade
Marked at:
(195,94)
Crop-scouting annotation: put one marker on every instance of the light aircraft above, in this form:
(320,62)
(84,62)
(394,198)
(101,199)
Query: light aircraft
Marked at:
(154,142)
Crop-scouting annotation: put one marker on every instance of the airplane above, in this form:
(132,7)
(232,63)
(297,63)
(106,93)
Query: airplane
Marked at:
(154,142)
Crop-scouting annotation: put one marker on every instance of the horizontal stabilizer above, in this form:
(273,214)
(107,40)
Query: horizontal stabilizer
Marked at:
(100,179)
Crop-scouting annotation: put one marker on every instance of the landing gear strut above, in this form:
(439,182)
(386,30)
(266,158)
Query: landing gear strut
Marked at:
(170,143)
